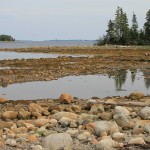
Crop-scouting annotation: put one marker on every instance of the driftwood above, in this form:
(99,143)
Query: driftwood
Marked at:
(129,104)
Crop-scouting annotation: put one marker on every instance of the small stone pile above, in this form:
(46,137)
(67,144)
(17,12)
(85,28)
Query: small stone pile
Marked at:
(73,124)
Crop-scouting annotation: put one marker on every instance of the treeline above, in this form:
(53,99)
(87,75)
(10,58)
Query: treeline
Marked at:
(6,38)
(119,32)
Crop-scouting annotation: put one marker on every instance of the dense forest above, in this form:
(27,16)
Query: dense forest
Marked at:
(119,32)
(6,38)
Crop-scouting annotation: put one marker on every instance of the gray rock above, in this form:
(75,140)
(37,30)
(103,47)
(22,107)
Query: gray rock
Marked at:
(57,141)
(144,113)
(11,142)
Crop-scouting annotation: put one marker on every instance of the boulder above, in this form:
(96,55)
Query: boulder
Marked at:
(9,115)
(69,115)
(23,114)
(65,98)
(106,116)
(136,95)
(58,141)
(144,113)
(40,122)
(96,109)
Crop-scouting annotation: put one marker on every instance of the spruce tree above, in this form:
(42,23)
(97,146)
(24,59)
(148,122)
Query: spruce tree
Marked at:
(147,28)
(134,30)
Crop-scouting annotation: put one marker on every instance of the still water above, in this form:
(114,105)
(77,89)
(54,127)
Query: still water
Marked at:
(22,55)
(79,86)
(26,44)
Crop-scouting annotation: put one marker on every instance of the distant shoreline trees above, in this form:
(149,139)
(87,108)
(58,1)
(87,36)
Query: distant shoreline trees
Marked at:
(119,32)
(6,38)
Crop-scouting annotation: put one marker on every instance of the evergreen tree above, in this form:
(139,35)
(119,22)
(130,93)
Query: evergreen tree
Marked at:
(141,37)
(121,27)
(147,28)
(110,36)
(134,30)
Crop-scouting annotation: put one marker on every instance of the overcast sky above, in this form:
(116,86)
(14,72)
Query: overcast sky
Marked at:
(64,19)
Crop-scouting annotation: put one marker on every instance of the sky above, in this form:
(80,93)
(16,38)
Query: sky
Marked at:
(64,19)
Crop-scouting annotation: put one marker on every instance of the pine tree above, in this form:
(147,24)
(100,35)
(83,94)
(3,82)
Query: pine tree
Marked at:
(147,28)
(134,30)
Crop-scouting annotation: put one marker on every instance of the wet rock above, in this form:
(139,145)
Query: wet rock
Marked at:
(41,122)
(69,115)
(136,140)
(144,113)
(64,140)
(106,116)
(11,142)
(9,115)
(4,124)
(65,98)
(23,114)
(107,144)
(136,95)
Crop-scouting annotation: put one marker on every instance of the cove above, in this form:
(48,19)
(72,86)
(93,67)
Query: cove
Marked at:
(79,86)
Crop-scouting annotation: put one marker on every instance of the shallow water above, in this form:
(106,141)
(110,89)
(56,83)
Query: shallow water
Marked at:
(22,55)
(79,86)
(26,44)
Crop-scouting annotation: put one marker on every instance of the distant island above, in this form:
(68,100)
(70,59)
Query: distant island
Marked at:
(4,37)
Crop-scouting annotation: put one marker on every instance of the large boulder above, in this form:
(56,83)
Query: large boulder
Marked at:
(65,98)
(58,141)
(136,95)
(69,115)
(144,113)
(9,115)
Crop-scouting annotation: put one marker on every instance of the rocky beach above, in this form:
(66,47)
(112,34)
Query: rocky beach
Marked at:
(68,122)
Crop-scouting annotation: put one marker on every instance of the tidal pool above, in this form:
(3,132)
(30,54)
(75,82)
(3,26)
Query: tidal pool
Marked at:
(79,86)
(23,55)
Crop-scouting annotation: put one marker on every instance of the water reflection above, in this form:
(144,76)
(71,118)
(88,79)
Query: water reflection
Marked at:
(79,86)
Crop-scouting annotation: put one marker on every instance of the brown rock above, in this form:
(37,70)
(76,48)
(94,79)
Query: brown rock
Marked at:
(40,122)
(138,131)
(106,116)
(136,95)
(1,144)
(36,114)
(35,108)
(32,138)
(96,109)
(23,114)
(9,115)
(20,130)
(3,100)
(76,108)
(65,98)
(137,140)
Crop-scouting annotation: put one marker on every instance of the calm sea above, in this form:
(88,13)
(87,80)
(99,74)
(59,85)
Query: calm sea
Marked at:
(26,44)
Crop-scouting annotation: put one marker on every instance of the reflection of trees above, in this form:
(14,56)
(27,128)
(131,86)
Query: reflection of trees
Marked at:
(133,75)
(147,80)
(120,79)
